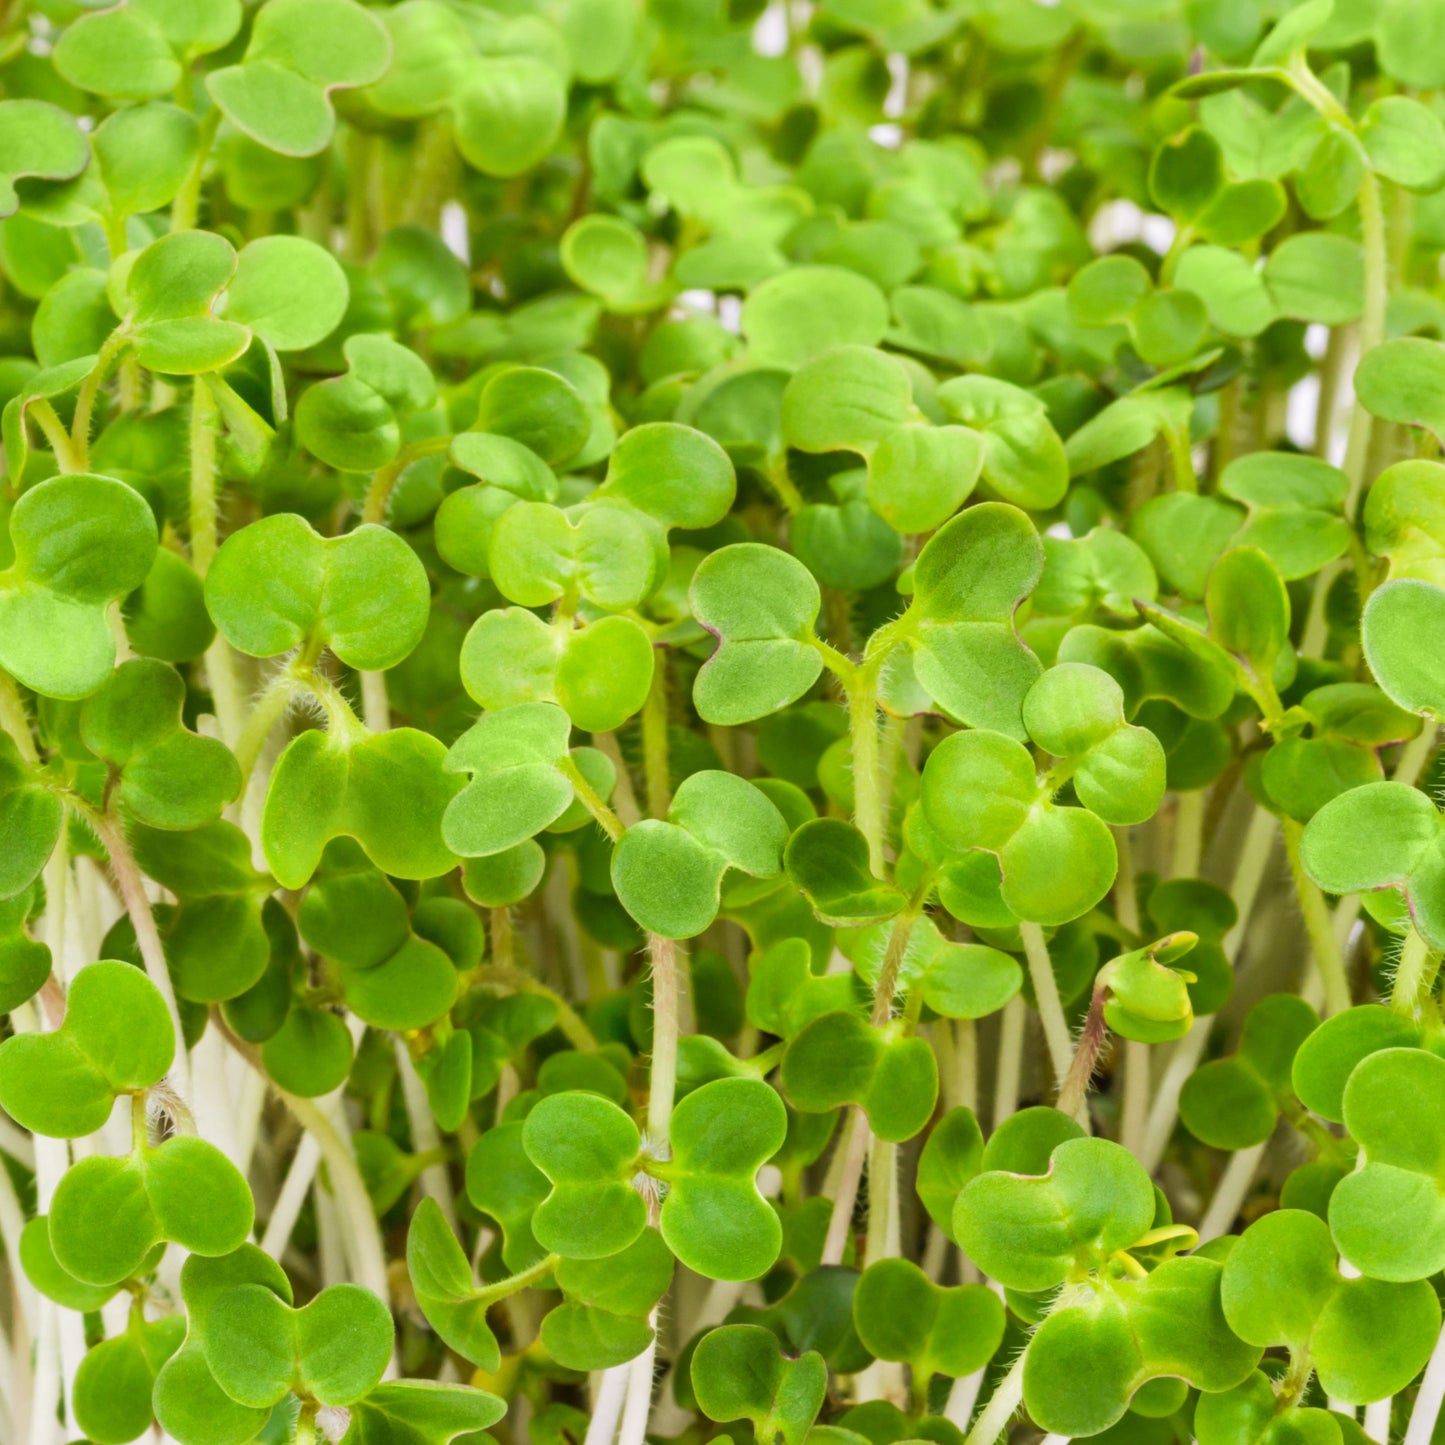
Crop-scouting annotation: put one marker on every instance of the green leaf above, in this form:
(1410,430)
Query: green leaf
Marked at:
(189,1404)
(980,790)
(668,875)
(840,1058)
(1282,1286)
(713,1218)
(1397,617)
(1031,1232)
(334,1349)
(603,1321)
(827,861)
(739,1373)
(1168,1324)
(30,820)
(446,1292)
(1382,835)
(37,139)
(900,1314)
(1076,713)
(80,542)
(165,775)
(108,1214)
(967,584)
(354,422)
(1400,381)
(600,674)
(1388,1217)
(389,791)
(760,604)
(277,585)
(808,310)
(116,1038)
(587,1147)
(300,51)
(421,1412)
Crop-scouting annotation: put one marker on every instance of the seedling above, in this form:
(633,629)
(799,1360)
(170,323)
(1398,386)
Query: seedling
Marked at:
(721,723)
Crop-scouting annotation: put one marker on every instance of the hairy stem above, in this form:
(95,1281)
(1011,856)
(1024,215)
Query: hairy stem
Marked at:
(1318,924)
(1046,992)
(655,764)
(148,939)
(1002,1405)
(1372,333)
(662,1082)
(854,1150)
(867,798)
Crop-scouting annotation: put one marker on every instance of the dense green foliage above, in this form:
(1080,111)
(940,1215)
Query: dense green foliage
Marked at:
(719,721)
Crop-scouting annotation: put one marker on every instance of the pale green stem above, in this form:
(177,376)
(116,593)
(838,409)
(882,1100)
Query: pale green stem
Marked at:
(569,1021)
(1230,1193)
(1318,924)
(1046,992)
(1414,976)
(1002,1406)
(55,433)
(148,939)
(853,1150)
(1372,331)
(1416,754)
(1009,1069)
(1181,458)
(1188,833)
(655,761)
(384,480)
(186,206)
(662,1080)
(867,798)
(375,704)
(86,396)
(591,799)
(270,708)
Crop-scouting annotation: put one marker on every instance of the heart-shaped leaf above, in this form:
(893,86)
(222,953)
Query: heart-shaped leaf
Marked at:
(739,1373)
(334,1349)
(587,1147)
(1367,1337)
(713,1219)
(80,542)
(668,874)
(116,1038)
(189,1404)
(277,585)
(109,1213)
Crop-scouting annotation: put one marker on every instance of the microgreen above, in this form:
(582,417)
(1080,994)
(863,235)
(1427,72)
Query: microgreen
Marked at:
(721,722)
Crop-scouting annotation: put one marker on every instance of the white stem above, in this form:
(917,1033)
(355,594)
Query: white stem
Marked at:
(45,1391)
(962,1397)
(638,1405)
(1006,1398)
(1377,1419)
(1046,992)
(1138,1087)
(425,1137)
(375,705)
(364,1249)
(1234,1187)
(17,1144)
(289,1201)
(12,1221)
(1428,1398)
(1010,1059)
(607,1405)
